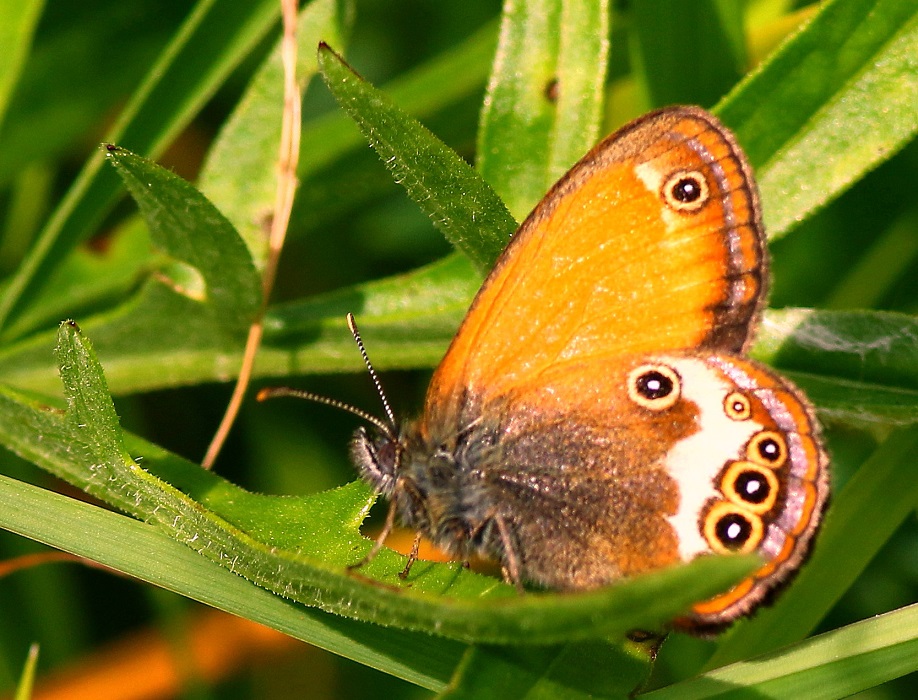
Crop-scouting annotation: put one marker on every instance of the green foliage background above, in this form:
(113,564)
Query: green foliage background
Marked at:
(828,121)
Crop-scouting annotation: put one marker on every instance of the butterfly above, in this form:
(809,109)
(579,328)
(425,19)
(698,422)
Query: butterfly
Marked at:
(596,415)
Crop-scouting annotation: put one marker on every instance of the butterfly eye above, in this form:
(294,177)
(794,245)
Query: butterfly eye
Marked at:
(751,486)
(767,448)
(728,529)
(656,387)
(737,406)
(686,191)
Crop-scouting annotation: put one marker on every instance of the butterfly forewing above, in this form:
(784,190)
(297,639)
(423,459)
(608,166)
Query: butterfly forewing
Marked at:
(619,259)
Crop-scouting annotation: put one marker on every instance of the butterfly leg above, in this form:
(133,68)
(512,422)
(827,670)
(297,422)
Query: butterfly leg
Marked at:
(412,557)
(511,565)
(377,545)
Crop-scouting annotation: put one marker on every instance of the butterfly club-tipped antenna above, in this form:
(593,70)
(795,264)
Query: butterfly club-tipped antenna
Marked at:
(389,429)
(392,432)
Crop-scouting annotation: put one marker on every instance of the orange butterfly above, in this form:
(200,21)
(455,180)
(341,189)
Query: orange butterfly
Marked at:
(596,416)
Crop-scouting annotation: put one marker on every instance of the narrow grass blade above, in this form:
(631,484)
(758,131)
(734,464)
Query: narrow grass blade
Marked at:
(837,664)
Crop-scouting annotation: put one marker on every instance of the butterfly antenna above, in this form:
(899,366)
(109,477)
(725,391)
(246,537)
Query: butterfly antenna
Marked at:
(352,324)
(275,391)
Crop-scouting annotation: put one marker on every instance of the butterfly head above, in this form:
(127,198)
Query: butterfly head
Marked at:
(377,455)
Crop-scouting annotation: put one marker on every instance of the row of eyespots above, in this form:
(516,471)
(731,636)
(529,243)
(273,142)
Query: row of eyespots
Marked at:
(750,487)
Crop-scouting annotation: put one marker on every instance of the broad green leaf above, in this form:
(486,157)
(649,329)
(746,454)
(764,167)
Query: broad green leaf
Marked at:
(836,664)
(883,493)
(545,96)
(300,547)
(687,53)
(449,191)
(216,37)
(144,552)
(834,101)
(240,175)
(189,228)
(17,24)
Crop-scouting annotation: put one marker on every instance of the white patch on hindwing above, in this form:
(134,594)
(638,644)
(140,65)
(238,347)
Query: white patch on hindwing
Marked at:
(695,461)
